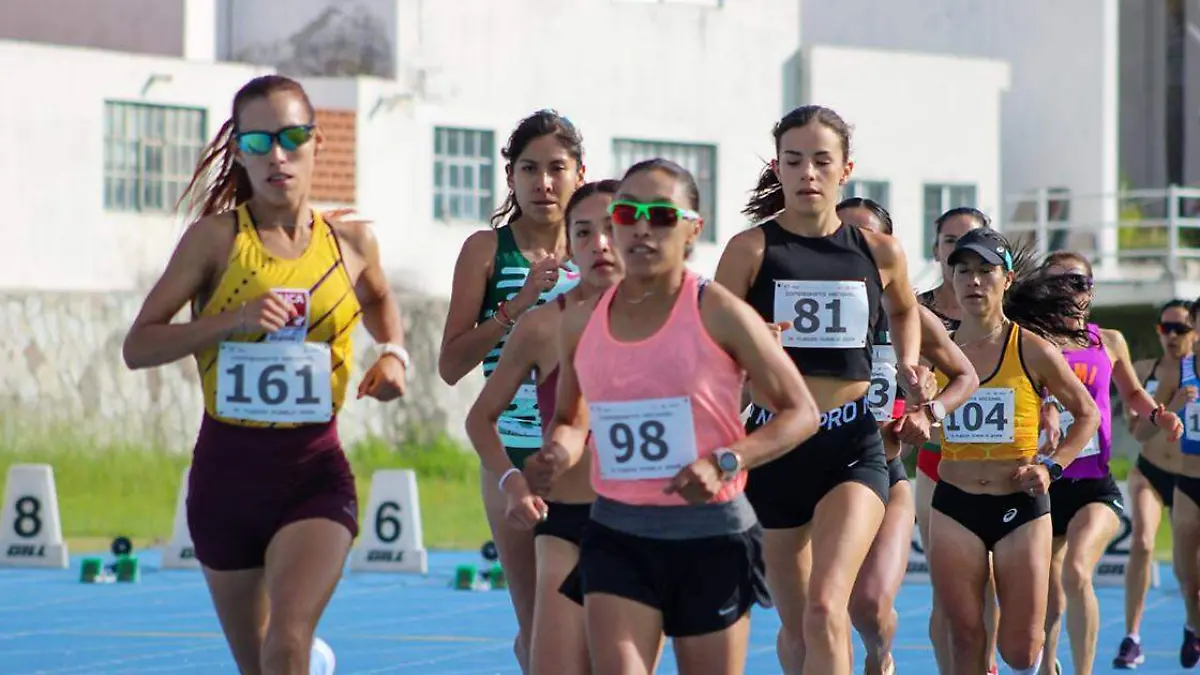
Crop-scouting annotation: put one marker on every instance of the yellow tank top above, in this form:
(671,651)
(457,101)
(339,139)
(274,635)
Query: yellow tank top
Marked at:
(279,380)
(1000,420)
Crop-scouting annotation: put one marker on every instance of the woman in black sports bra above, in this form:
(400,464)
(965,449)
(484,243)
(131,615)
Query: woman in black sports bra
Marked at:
(1151,481)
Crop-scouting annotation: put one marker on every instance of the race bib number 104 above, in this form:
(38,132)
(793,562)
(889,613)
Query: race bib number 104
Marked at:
(987,417)
(275,382)
(823,314)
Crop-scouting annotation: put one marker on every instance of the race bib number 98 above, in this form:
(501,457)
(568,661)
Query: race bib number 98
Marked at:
(643,439)
(823,314)
(987,417)
(881,397)
(274,382)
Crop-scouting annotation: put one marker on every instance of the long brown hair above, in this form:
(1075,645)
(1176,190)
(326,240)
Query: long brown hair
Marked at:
(219,183)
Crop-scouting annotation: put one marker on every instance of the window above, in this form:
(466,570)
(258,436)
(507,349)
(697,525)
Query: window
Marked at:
(700,160)
(876,190)
(150,152)
(940,199)
(464,187)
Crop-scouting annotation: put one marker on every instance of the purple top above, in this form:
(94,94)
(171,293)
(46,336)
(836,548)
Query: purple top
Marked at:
(1094,368)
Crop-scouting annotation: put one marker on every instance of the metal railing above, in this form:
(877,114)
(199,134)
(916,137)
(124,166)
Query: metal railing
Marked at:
(1134,234)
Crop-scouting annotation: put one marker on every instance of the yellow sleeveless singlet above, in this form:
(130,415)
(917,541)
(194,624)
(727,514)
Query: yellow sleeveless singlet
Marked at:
(279,380)
(1000,420)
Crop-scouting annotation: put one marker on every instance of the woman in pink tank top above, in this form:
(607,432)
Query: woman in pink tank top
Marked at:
(558,643)
(674,546)
(1086,505)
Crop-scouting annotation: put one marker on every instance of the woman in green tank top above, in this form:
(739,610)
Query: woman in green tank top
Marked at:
(501,274)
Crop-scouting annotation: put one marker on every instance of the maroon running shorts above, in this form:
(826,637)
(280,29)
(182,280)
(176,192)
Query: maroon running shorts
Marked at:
(247,483)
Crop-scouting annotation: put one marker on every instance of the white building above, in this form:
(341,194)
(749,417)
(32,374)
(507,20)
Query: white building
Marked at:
(415,146)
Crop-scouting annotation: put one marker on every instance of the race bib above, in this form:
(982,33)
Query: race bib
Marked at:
(987,417)
(275,381)
(1191,421)
(295,330)
(1065,420)
(1152,387)
(636,440)
(881,397)
(823,314)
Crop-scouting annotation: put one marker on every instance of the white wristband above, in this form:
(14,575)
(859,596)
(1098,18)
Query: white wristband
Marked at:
(506,475)
(398,352)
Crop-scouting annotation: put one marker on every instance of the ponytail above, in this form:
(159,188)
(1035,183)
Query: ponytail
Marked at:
(1049,305)
(219,183)
(766,199)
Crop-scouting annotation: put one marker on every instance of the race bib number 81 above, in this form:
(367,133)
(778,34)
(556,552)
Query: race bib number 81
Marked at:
(275,382)
(824,314)
(637,440)
(987,417)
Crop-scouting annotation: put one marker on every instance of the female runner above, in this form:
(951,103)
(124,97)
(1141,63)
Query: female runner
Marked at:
(872,603)
(673,546)
(501,274)
(992,493)
(831,283)
(558,642)
(1085,504)
(1151,481)
(276,292)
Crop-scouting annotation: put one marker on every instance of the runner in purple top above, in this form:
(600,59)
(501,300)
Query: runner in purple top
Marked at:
(1085,502)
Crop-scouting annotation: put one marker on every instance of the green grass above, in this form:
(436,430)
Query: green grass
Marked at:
(131,490)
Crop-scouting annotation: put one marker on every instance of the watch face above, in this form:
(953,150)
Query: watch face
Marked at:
(728,462)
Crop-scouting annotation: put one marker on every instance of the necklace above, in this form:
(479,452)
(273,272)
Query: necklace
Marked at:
(989,336)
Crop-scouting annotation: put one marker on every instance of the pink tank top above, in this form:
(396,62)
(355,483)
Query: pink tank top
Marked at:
(658,404)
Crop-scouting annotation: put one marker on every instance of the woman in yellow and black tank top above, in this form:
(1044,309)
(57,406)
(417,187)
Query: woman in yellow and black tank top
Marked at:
(992,495)
(276,292)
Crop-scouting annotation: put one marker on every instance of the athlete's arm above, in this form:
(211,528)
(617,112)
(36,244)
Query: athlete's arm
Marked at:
(1141,369)
(153,340)
(465,343)
(939,349)
(900,303)
(1130,387)
(1171,394)
(737,328)
(381,312)
(740,262)
(517,360)
(1048,365)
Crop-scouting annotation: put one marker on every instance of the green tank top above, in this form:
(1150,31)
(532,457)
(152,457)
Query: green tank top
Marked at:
(519,425)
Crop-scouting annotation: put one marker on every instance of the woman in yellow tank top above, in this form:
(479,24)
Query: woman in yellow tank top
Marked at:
(276,291)
(992,495)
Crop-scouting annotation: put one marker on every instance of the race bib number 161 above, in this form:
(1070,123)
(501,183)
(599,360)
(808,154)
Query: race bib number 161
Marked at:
(274,382)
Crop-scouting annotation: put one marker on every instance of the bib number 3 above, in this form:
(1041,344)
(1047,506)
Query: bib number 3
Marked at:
(823,314)
(643,439)
(987,417)
(275,382)
(881,397)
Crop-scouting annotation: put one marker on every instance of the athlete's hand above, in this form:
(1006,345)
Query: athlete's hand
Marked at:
(909,377)
(1170,423)
(545,466)
(524,509)
(543,275)
(385,380)
(265,314)
(339,215)
(914,426)
(1182,397)
(777,330)
(1049,428)
(1033,478)
(929,388)
(697,482)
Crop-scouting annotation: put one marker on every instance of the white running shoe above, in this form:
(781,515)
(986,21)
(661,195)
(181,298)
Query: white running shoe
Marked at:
(322,660)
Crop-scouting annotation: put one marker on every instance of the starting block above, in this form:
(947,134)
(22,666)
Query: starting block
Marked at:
(470,578)
(179,554)
(124,570)
(30,526)
(392,540)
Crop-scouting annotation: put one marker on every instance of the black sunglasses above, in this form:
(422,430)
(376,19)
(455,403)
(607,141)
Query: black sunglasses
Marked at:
(1173,327)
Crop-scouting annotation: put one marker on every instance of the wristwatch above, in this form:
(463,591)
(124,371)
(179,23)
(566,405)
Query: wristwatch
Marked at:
(1054,468)
(729,462)
(398,352)
(937,410)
